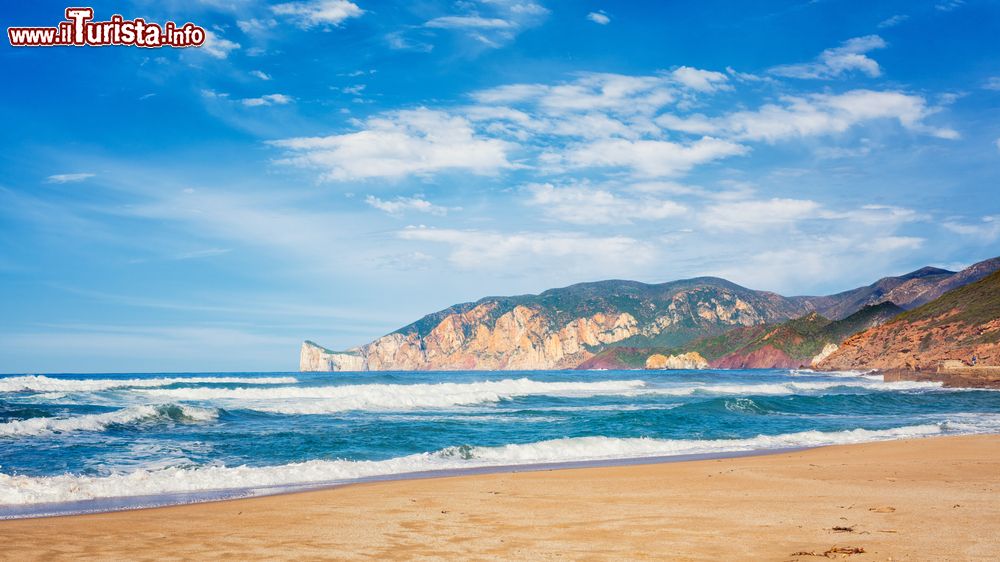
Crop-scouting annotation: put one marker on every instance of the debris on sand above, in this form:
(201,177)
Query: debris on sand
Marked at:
(843,551)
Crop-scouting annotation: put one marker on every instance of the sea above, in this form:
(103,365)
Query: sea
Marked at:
(85,443)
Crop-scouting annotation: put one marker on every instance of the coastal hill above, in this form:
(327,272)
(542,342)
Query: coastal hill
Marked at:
(962,324)
(795,343)
(565,327)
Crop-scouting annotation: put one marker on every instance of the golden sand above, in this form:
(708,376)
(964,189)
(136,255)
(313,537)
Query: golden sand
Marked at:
(926,499)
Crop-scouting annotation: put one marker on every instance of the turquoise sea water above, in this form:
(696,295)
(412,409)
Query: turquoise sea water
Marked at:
(85,442)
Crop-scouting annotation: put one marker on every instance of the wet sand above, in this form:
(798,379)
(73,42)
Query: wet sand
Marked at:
(925,499)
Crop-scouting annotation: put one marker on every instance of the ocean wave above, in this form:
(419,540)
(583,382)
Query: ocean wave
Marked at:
(292,400)
(100,422)
(41,383)
(786,388)
(332,399)
(23,490)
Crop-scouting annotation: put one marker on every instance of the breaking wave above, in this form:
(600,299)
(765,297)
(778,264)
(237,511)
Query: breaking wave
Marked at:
(332,399)
(24,490)
(41,383)
(100,422)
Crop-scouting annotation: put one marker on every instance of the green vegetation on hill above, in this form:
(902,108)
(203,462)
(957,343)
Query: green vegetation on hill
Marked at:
(975,304)
(801,338)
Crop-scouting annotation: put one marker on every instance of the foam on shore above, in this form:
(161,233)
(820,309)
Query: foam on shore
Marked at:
(26,490)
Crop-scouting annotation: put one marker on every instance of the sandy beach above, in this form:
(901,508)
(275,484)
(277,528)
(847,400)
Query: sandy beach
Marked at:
(926,499)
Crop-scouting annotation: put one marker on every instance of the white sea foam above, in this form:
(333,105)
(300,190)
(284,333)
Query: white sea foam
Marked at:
(100,422)
(785,388)
(22,490)
(41,383)
(331,399)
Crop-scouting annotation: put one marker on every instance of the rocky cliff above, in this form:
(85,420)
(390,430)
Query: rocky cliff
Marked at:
(561,328)
(800,342)
(569,327)
(313,357)
(691,360)
(961,324)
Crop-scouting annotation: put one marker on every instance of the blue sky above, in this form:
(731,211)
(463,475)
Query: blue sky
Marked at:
(332,170)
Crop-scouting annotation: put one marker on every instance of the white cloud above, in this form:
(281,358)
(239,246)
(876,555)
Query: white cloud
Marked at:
(615,93)
(318,12)
(400,205)
(831,63)
(585,205)
(986,229)
(757,215)
(822,114)
(893,21)
(473,249)
(217,46)
(949,5)
(992,83)
(269,99)
(68,178)
(599,18)
(397,144)
(700,80)
(886,244)
(652,158)
(256,26)
(260,74)
(467,22)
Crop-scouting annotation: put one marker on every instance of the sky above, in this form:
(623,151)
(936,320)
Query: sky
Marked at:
(332,170)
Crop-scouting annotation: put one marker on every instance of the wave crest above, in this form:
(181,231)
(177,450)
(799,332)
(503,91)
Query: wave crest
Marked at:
(23,490)
(100,422)
(42,383)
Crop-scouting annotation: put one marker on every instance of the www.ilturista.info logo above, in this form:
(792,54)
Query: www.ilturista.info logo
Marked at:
(79,30)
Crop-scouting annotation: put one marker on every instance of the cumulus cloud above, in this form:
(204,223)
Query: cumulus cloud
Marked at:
(831,63)
(581,204)
(986,229)
(756,215)
(467,22)
(486,23)
(260,74)
(474,249)
(599,17)
(318,12)
(701,80)
(217,46)
(949,5)
(615,93)
(68,178)
(269,99)
(651,158)
(816,114)
(400,205)
(397,144)
(893,21)
(887,244)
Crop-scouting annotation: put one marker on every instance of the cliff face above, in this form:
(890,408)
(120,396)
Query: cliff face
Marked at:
(795,343)
(560,328)
(522,338)
(313,357)
(691,360)
(568,327)
(957,326)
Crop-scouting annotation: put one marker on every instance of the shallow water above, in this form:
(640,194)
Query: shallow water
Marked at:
(78,443)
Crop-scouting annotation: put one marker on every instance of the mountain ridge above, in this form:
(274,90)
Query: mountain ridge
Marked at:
(564,327)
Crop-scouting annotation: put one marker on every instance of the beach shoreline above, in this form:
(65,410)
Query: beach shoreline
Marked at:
(883,497)
(132,503)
